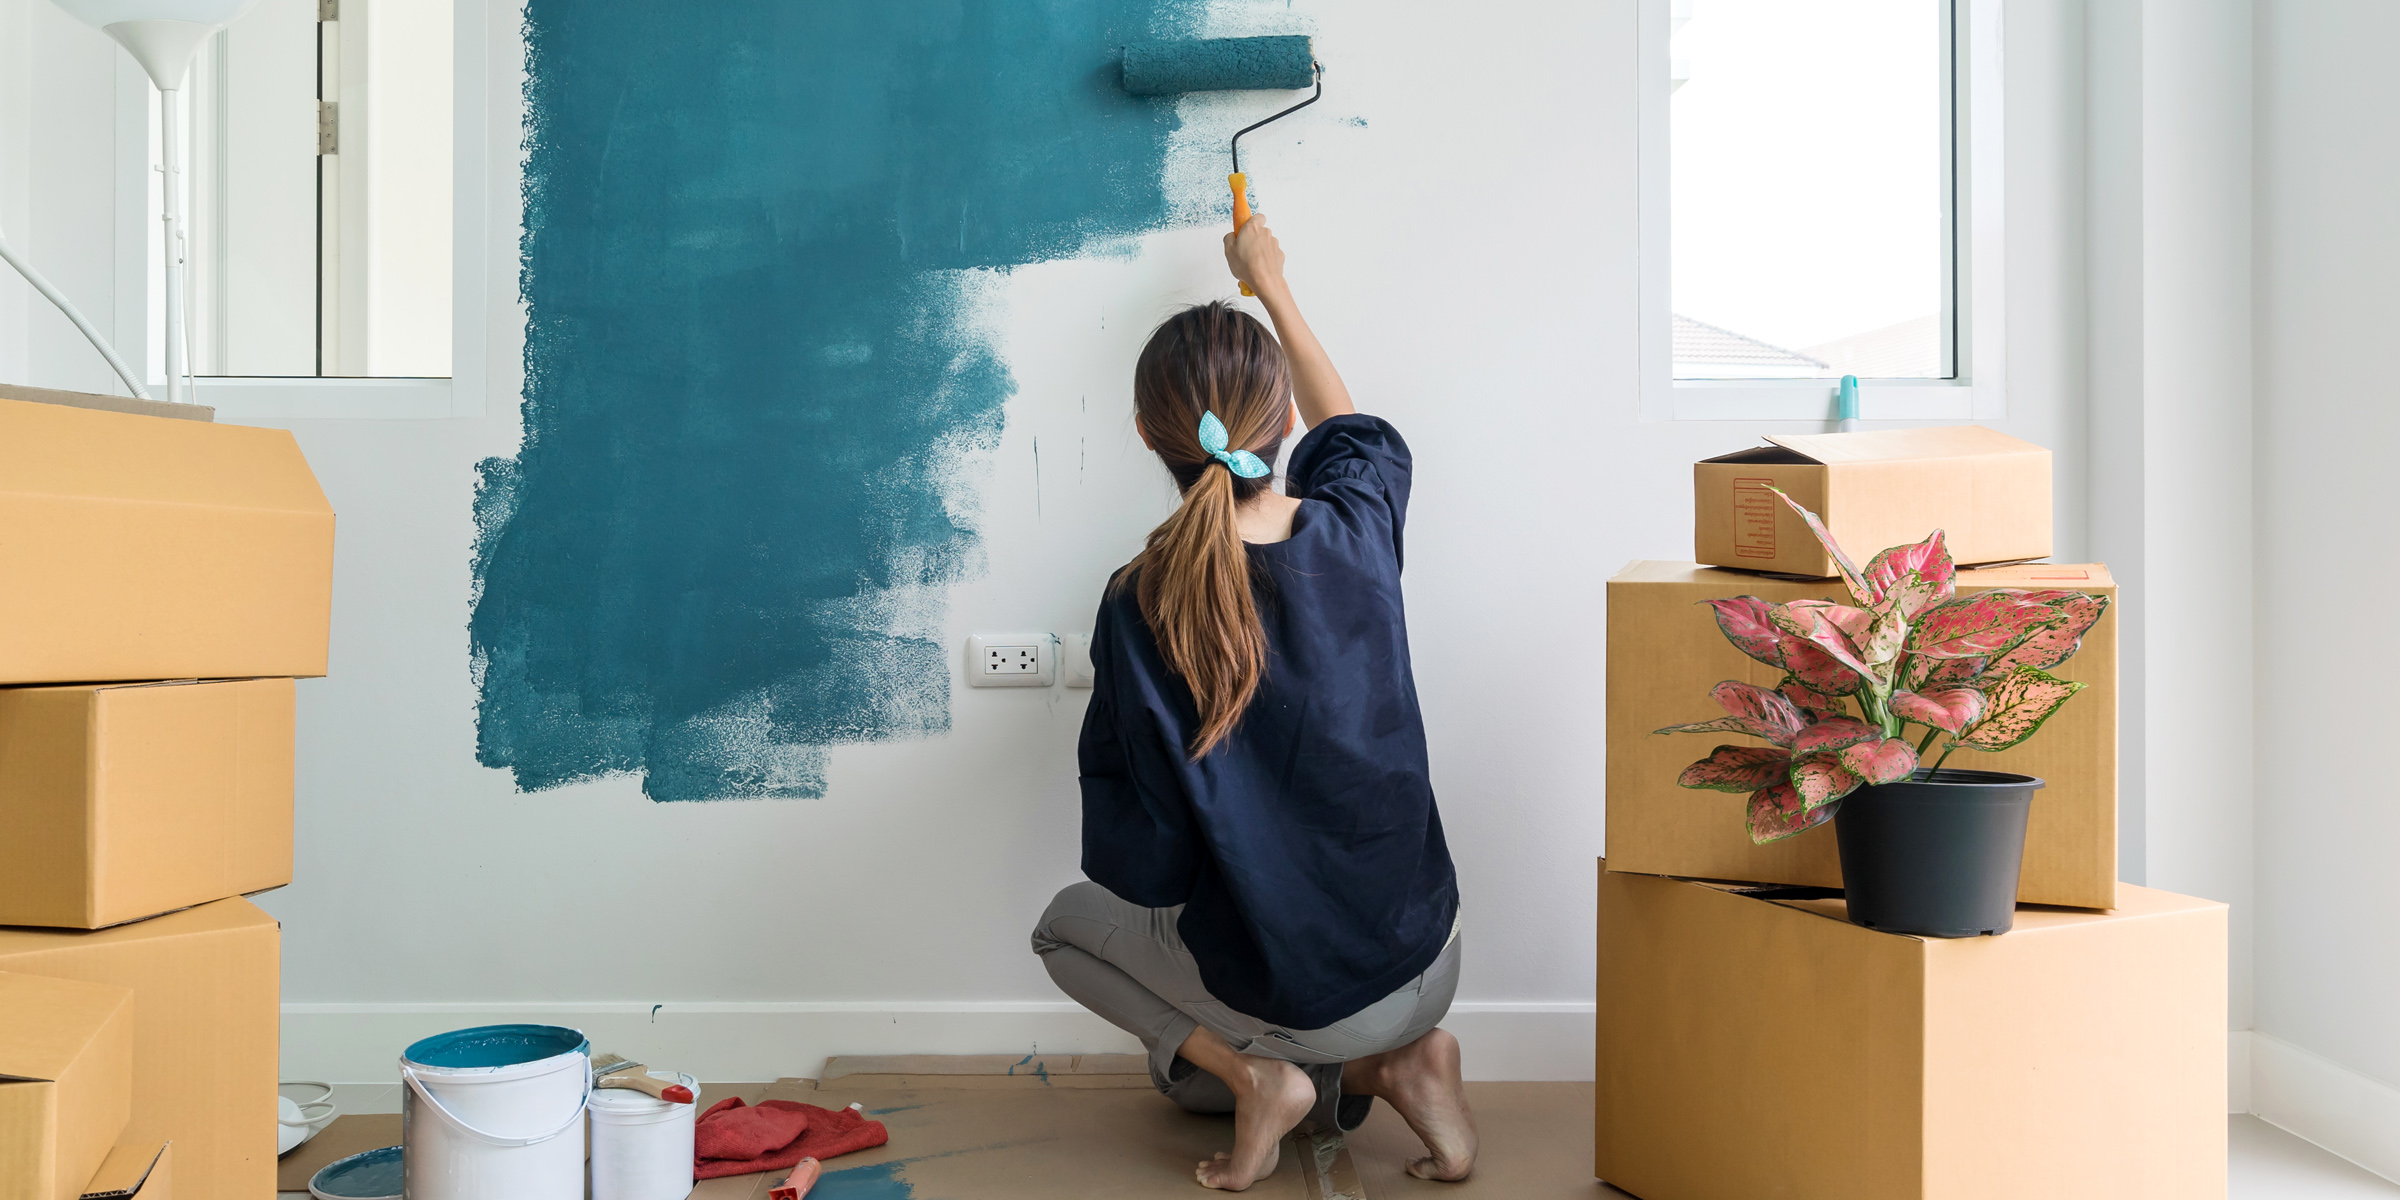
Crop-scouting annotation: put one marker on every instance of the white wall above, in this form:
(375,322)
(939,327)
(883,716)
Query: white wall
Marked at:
(2328,558)
(2169,177)
(1469,257)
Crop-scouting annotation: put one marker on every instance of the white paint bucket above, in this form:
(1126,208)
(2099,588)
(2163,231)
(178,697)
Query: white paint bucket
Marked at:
(641,1146)
(495,1111)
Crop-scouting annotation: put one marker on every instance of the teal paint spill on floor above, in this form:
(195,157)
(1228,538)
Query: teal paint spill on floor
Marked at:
(750,369)
(883,1181)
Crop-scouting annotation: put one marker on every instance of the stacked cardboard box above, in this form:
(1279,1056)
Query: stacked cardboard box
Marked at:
(168,579)
(1751,1041)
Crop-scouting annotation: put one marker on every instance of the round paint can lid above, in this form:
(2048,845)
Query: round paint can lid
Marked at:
(374,1175)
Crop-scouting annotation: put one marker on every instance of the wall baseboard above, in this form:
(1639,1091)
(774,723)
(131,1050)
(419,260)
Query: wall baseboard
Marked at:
(2326,1103)
(361,1043)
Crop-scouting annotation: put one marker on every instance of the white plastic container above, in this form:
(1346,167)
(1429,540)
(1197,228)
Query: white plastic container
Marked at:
(641,1146)
(495,1111)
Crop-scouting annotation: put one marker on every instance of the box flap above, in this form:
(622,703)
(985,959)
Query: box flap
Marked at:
(50,1021)
(50,450)
(221,916)
(124,1171)
(1884,445)
(107,403)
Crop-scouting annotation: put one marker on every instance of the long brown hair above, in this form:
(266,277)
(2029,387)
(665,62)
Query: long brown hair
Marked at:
(1193,578)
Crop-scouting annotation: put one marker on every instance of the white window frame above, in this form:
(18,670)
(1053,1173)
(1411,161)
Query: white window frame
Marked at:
(486,122)
(1978,391)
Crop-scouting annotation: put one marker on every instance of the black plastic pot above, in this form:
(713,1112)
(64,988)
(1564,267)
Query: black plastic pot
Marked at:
(1937,854)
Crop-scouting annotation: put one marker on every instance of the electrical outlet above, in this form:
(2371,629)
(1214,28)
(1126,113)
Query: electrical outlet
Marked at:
(1012,660)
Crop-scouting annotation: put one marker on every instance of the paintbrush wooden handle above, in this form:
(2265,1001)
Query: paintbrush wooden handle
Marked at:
(641,1081)
(1241,209)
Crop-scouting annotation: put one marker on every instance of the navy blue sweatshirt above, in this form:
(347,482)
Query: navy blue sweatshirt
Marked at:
(1305,847)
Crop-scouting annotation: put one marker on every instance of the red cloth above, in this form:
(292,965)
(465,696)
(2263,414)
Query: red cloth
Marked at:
(737,1139)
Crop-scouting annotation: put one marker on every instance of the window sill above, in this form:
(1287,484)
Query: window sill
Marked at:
(304,398)
(1813,400)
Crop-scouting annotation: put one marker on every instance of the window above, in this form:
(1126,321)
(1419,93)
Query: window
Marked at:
(320,182)
(1820,199)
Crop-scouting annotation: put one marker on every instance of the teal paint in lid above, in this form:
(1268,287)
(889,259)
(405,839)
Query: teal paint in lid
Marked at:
(374,1175)
(496,1046)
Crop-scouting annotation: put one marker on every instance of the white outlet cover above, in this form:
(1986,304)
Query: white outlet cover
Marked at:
(1075,655)
(1012,660)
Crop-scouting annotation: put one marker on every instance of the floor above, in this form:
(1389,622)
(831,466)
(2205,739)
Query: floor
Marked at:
(1533,1148)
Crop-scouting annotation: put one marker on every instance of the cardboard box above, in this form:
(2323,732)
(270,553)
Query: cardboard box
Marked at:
(123,801)
(1750,1046)
(141,548)
(66,1082)
(107,403)
(1665,652)
(1988,492)
(205,1012)
(135,1169)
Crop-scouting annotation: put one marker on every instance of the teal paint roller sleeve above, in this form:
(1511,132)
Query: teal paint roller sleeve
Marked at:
(1282,62)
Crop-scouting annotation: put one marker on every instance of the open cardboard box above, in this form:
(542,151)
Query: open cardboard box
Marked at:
(122,801)
(136,547)
(1988,492)
(66,1079)
(1664,653)
(143,1170)
(205,1012)
(1754,1045)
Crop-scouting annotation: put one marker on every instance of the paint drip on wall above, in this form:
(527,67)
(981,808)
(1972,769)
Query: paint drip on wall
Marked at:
(754,232)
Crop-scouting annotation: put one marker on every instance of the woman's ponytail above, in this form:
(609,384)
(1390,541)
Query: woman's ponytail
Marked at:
(1192,580)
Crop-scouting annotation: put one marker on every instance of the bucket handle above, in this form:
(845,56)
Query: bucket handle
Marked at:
(409,1075)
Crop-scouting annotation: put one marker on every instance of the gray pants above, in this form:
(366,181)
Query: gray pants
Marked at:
(1128,964)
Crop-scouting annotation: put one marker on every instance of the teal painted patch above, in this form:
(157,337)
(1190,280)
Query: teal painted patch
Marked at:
(751,232)
(883,1181)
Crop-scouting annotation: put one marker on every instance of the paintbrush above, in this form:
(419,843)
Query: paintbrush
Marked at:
(617,1071)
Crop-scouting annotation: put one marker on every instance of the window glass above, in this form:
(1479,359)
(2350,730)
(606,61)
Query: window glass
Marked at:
(1810,219)
(319,236)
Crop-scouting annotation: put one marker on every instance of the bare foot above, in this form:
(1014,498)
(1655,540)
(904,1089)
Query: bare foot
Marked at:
(1269,1098)
(1421,1081)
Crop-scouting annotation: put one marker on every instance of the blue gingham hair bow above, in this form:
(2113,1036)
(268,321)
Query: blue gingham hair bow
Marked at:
(1213,439)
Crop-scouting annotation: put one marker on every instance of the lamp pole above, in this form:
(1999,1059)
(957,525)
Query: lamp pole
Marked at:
(162,35)
(171,220)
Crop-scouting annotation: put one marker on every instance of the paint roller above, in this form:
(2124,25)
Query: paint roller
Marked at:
(1277,63)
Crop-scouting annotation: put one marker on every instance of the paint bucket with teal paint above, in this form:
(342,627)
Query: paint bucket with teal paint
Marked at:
(495,1111)
(642,1146)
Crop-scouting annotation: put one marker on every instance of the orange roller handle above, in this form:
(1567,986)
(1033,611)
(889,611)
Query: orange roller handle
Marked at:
(1241,209)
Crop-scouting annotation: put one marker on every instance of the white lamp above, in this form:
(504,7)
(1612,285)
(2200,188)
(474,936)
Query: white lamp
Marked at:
(162,35)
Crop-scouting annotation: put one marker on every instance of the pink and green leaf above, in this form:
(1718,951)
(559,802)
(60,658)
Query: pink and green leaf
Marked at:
(1887,761)
(2054,644)
(1822,779)
(1904,579)
(1744,621)
(2017,705)
(1813,704)
(1833,733)
(1737,769)
(1778,812)
(1814,621)
(1948,709)
(1817,670)
(1851,577)
(1919,673)
(1980,626)
(1884,641)
(1749,709)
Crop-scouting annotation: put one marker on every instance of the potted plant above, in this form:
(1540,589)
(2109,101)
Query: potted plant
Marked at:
(1923,849)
